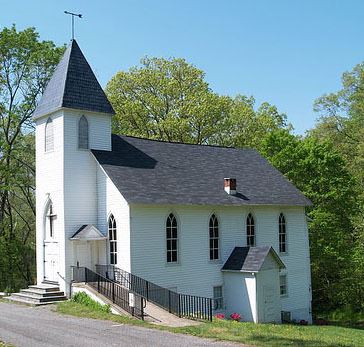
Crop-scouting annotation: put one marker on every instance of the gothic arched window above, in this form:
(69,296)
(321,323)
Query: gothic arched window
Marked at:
(83,133)
(172,239)
(113,246)
(214,238)
(282,234)
(250,230)
(49,136)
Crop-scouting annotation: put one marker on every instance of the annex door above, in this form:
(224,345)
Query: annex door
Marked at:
(269,304)
(51,261)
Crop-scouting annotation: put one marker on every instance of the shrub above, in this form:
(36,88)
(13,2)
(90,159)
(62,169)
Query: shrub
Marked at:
(83,299)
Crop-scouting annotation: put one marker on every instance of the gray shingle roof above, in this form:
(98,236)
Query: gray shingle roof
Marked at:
(73,85)
(156,172)
(249,259)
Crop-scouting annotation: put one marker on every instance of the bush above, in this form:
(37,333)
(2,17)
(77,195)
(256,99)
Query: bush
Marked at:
(84,299)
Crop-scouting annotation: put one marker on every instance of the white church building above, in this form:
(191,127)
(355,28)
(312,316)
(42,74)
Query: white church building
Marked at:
(210,221)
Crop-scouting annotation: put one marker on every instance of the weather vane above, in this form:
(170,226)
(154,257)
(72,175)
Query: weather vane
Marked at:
(73,21)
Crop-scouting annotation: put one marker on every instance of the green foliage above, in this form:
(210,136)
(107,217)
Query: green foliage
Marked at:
(342,124)
(26,64)
(344,316)
(84,299)
(319,171)
(170,100)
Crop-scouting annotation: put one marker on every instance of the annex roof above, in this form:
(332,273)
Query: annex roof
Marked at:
(250,259)
(73,85)
(157,172)
(88,232)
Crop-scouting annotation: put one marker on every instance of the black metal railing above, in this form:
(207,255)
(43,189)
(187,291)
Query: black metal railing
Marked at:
(182,305)
(120,295)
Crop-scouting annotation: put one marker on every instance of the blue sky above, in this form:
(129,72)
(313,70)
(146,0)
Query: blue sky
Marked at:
(285,52)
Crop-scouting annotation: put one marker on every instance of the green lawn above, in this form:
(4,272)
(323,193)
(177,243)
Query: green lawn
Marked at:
(253,334)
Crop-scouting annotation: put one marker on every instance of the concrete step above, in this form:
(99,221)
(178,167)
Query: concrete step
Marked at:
(40,294)
(44,288)
(24,302)
(24,296)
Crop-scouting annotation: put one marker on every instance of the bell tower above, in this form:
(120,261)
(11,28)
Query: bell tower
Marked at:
(72,118)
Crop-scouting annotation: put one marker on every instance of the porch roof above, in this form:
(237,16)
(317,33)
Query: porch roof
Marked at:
(88,232)
(250,259)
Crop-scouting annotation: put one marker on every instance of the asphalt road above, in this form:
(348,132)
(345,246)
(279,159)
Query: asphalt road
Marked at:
(39,326)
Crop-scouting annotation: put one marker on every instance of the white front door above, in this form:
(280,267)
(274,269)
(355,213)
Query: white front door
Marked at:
(51,261)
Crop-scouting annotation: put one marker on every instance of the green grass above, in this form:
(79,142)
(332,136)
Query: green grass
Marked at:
(80,310)
(272,335)
(83,299)
(278,334)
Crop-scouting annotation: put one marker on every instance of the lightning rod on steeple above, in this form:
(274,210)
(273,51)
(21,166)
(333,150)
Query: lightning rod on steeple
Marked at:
(73,15)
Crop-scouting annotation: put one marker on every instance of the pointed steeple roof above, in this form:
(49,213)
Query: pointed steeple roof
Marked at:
(73,85)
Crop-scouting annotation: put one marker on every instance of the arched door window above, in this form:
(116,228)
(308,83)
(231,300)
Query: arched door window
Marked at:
(282,234)
(172,239)
(250,230)
(83,133)
(214,238)
(49,136)
(113,247)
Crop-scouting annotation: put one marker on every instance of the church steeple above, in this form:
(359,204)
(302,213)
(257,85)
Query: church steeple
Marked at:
(73,85)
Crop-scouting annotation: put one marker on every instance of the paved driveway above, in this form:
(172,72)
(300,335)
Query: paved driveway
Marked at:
(38,326)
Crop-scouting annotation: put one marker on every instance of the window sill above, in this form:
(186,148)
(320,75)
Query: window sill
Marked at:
(283,254)
(284,296)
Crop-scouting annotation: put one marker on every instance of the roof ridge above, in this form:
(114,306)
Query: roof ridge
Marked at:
(185,143)
(67,69)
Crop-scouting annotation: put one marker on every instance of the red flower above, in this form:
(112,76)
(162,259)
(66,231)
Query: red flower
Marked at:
(220,316)
(235,316)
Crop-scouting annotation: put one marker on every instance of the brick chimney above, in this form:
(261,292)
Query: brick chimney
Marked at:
(230,185)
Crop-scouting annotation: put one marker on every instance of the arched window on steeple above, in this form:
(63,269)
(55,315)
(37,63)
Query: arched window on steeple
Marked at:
(49,136)
(83,133)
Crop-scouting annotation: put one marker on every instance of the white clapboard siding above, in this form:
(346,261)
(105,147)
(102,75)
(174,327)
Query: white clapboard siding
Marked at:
(110,201)
(80,188)
(49,184)
(68,175)
(195,273)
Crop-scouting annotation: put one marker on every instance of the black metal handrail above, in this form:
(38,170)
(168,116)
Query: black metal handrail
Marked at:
(125,298)
(182,305)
